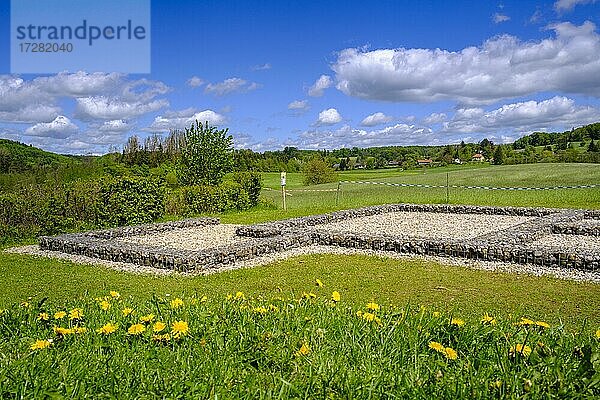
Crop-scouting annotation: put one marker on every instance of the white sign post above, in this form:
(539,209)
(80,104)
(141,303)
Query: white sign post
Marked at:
(283,190)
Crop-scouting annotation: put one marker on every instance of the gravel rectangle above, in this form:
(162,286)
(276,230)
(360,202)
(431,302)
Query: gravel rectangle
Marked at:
(574,242)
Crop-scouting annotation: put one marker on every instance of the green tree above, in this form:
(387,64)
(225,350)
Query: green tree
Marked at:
(317,171)
(499,156)
(206,156)
(592,147)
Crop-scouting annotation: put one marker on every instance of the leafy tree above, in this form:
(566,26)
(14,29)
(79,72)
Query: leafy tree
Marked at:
(207,155)
(499,156)
(317,171)
(592,147)
(343,164)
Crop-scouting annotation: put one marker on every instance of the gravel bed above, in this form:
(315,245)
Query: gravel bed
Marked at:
(427,224)
(528,269)
(195,238)
(577,242)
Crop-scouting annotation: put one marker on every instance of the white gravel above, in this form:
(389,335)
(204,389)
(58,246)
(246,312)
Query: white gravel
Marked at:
(197,238)
(528,269)
(578,242)
(427,224)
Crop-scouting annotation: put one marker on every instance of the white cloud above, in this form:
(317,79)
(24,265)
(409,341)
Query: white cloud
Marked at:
(503,67)
(320,85)
(114,127)
(184,119)
(194,81)
(376,119)
(298,105)
(61,127)
(498,18)
(330,116)
(100,107)
(568,5)
(230,85)
(261,67)
(434,118)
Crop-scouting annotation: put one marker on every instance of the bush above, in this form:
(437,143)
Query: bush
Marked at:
(317,171)
(251,182)
(130,201)
(211,199)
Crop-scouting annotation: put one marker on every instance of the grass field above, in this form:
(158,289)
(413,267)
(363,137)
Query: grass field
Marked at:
(367,356)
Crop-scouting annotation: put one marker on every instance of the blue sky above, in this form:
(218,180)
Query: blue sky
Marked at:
(326,75)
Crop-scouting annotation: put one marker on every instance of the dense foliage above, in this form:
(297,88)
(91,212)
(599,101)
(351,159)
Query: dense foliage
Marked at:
(316,171)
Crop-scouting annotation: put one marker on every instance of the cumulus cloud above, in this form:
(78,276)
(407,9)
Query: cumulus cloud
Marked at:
(230,85)
(100,107)
(498,18)
(568,5)
(298,106)
(330,116)
(194,82)
(434,118)
(503,67)
(183,119)
(376,119)
(320,85)
(61,127)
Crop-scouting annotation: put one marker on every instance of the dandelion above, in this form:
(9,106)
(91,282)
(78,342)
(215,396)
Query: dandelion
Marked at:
(76,313)
(437,347)
(147,318)
(203,299)
(370,317)
(161,338)
(451,353)
(43,316)
(309,295)
(79,329)
(62,331)
(107,329)
(136,329)
(598,334)
(436,314)
(158,327)
(524,322)
(488,319)
(179,328)
(319,283)
(105,305)
(304,350)
(240,296)
(60,315)
(372,306)
(457,322)
(176,303)
(260,310)
(359,313)
(127,311)
(114,294)
(25,304)
(41,344)
(542,324)
(335,296)
(520,348)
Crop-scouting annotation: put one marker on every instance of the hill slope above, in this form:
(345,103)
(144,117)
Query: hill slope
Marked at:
(19,157)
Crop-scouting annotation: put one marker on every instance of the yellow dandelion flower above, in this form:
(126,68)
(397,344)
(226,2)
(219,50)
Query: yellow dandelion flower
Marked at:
(319,283)
(520,348)
(158,326)
(335,296)
(368,316)
(436,314)
(488,319)
(260,310)
(60,315)
(437,347)
(114,294)
(136,329)
(542,324)
(79,329)
(147,318)
(240,296)
(105,305)
(524,322)
(451,353)
(457,322)
(304,350)
(203,299)
(76,313)
(179,328)
(309,295)
(43,316)
(359,313)
(127,311)
(598,334)
(62,331)
(372,306)
(176,303)
(161,338)
(25,304)
(107,329)
(41,344)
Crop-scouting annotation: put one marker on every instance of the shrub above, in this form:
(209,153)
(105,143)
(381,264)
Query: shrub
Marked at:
(129,200)
(317,171)
(210,199)
(251,182)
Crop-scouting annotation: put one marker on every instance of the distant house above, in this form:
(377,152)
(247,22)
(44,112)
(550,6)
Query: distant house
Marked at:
(478,157)
(425,162)
(393,163)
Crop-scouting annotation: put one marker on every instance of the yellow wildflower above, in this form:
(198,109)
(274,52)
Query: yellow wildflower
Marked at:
(335,296)
(62,331)
(76,313)
(436,314)
(542,324)
(179,328)
(359,313)
(488,319)
(60,315)
(107,329)
(372,306)
(319,283)
(147,318)
(105,305)
(25,304)
(260,310)
(114,294)
(176,303)
(127,311)
(158,326)
(203,299)
(41,344)
(437,347)
(161,338)
(451,353)
(79,329)
(240,296)
(598,334)
(136,329)
(524,322)
(457,322)
(303,350)
(520,348)
(309,295)
(43,316)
